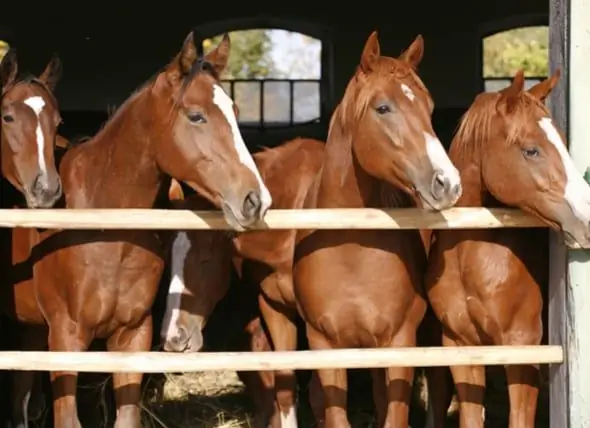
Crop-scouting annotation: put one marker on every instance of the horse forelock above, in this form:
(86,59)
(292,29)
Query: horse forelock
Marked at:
(361,87)
(477,123)
(31,79)
(201,65)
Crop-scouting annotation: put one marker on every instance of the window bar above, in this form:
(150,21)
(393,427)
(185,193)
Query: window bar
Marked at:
(261,117)
(291,102)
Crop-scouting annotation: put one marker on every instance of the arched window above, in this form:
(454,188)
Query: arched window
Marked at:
(505,52)
(274,76)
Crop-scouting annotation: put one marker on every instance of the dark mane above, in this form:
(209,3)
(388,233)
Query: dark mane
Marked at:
(475,126)
(200,65)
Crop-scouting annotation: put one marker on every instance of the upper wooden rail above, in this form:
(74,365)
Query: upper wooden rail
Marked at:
(346,218)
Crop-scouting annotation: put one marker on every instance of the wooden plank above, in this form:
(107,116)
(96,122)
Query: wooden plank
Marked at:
(578,284)
(558,373)
(161,362)
(407,218)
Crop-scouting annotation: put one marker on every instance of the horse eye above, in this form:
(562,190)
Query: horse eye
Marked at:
(531,153)
(196,118)
(383,108)
(8,118)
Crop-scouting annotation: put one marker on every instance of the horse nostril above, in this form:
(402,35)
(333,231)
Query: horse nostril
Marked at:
(252,205)
(182,335)
(37,184)
(440,185)
(456,190)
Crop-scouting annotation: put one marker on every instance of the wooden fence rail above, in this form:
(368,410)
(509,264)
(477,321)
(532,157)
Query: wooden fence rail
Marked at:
(347,218)
(163,362)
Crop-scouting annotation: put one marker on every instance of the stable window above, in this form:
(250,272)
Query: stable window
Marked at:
(505,52)
(274,76)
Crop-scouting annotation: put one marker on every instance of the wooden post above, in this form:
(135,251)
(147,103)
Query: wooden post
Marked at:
(569,314)
(558,373)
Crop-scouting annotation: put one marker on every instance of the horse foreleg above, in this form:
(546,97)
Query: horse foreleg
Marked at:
(27,392)
(283,332)
(523,390)
(399,382)
(127,386)
(317,401)
(260,385)
(470,384)
(66,335)
(334,384)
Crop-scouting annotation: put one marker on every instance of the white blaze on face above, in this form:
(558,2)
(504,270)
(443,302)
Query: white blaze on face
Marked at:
(440,160)
(180,250)
(37,104)
(290,419)
(225,104)
(408,92)
(577,191)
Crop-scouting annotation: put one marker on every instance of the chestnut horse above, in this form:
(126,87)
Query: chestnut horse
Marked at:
(363,288)
(30,117)
(199,264)
(485,286)
(101,284)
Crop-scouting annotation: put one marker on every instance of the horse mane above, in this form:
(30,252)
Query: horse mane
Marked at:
(475,127)
(199,65)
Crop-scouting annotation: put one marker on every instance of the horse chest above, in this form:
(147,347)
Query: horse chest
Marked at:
(360,293)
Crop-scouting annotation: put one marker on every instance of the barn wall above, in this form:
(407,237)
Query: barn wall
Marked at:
(125,46)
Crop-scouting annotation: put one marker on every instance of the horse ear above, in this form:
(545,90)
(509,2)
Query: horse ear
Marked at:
(371,52)
(8,68)
(187,56)
(544,88)
(414,53)
(52,73)
(510,94)
(219,56)
(175,192)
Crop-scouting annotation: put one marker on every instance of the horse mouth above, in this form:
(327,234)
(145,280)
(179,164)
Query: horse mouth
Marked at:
(237,222)
(426,203)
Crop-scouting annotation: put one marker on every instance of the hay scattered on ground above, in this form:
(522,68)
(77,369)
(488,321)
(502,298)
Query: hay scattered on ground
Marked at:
(214,399)
(218,400)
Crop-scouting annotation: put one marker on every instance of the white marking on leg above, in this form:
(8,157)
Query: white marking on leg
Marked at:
(577,191)
(290,419)
(225,104)
(180,249)
(408,92)
(440,160)
(37,104)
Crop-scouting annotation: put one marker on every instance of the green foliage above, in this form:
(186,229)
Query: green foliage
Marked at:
(3,49)
(249,57)
(522,48)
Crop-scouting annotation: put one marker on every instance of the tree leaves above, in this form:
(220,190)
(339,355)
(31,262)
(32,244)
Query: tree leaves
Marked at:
(506,52)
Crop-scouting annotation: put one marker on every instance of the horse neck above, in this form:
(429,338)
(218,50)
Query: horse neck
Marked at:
(467,158)
(345,184)
(122,169)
